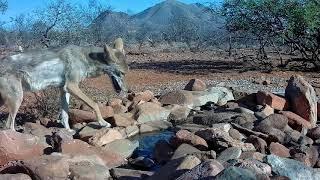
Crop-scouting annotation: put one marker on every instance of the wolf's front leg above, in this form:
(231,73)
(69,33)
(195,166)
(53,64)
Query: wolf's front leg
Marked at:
(64,117)
(75,90)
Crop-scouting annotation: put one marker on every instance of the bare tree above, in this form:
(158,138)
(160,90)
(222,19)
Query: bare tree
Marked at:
(3,5)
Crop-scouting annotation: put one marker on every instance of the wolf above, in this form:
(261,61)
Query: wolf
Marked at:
(64,68)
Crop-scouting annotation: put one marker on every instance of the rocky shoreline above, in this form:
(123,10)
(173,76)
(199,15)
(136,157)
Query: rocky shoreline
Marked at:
(217,133)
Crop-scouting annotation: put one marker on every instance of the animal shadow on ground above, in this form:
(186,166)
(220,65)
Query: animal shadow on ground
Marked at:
(189,67)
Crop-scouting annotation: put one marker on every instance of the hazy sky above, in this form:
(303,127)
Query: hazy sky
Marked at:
(23,6)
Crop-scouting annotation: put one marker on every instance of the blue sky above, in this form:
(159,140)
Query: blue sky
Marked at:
(24,6)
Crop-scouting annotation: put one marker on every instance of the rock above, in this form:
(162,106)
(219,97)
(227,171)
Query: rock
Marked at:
(119,109)
(151,112)
(143,162)
(222,140)
(191,127)
(162,152)
(179,113)
(132,131)
(36,129)
(277,121)
(235,173)
(254,166)
(175,168)
(106,111)
(235,134)
(230,153)
(105,136)
(302,98)
(153,126)
(292,169)
(252,155)
(306,155)
(18,176)
(184,136)
(145,96)
(206,170)
(295,121)
(89,130)
(267,110)
(314,133)
(17,146)
(182,98)
(79,116)
(274,101)
(49,167)
(120,173)
(258,143)
(279,150)
(124,147)
(186,149)
(210,118)
(46,122)
(119,120)
(114,102)
(78,147)
(196,85)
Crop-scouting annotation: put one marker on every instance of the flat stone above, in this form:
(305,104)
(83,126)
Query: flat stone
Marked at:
(230,153)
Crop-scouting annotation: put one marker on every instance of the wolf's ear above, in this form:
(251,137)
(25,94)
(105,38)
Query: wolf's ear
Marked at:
(109,52)
(118,44)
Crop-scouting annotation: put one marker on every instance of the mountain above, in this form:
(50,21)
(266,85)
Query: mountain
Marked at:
(159,18)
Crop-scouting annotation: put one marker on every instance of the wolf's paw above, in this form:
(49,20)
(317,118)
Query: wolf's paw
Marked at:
(104,124)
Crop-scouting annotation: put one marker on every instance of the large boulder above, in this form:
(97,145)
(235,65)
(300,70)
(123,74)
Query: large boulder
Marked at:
(124,147)
(18,146)
(302,98)
(151,112)
(295,121)
(292,169)
(105,136)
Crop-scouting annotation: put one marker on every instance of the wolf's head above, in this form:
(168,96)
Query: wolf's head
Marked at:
(116,58)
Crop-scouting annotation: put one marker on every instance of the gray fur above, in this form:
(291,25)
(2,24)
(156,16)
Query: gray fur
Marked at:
(61,67)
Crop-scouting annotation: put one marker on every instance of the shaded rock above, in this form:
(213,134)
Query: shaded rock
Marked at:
(293,169)
(235,134)
(258,143)
(195,85)
(184,136)
(18,176)
(235,173)
(142,162)
(295,121)
(314,133)
(277,121)
(153,126)
(302,98)
(175,168)
(145,96)
(124,147)
(162,151)
(191,127)
(306,155)
(205,170)
(279,150)
(210,118)
(17,146)
(186,149)
(120,173)
(254,166)
(105,136)
(90,130)
(267,110)
(151,112)
(274,101)
(230,153)
(78,147)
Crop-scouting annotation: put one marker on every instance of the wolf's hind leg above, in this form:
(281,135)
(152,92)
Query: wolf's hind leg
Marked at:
(65,98)
(12,97)
(74,89)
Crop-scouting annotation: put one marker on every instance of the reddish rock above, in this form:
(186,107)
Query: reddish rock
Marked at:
(106,111)
(295,121)
(119,120)
(252,155)
(114,102)
(279,150)
(78,147)
(184,136)
(177,97)
(195,85)
(79,116)
(274,101)
(206,170)
(142,96)
(17,146)
(302,98)
(258,143)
